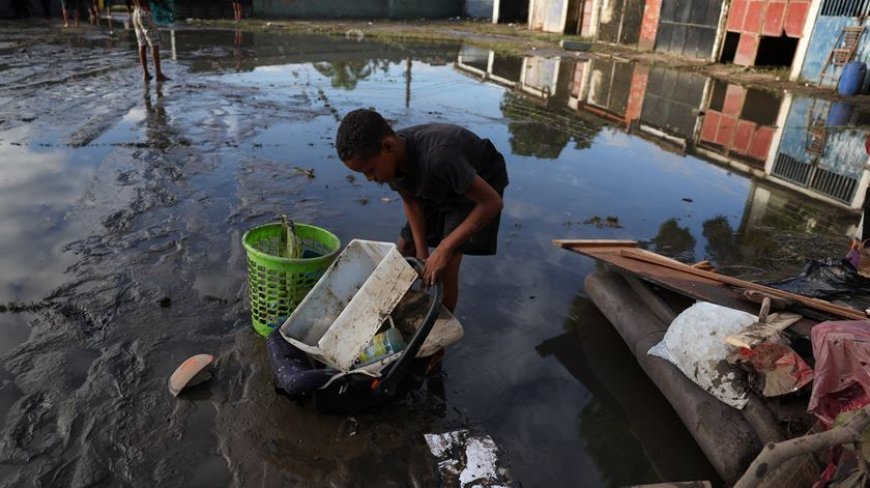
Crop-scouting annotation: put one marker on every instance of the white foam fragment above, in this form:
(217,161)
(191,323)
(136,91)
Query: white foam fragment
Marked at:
(473,458)
(481,459)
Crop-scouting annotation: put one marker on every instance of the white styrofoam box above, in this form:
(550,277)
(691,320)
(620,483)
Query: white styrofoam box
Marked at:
(344,310)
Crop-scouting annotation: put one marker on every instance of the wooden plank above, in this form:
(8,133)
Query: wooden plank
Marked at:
(703,288)
(571,243)
(653,301)
(760,332)
(815,303)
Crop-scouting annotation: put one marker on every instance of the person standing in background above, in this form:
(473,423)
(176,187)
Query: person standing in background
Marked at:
(65,7)
(237,11)
(147,36)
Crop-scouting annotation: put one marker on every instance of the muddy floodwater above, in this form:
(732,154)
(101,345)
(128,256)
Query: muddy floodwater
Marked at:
(122,206)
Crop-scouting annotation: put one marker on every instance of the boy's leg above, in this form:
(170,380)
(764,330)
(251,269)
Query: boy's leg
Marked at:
(65,18)
(406,247)
(143,59)
(450,279)
(155,53)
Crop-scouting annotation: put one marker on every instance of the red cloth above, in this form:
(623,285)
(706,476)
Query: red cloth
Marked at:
(842,374)
(781,369)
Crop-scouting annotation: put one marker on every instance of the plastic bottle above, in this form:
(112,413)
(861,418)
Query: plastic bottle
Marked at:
(384,344)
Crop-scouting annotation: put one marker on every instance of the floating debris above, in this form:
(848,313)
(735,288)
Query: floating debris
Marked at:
(308,172)
(609,221)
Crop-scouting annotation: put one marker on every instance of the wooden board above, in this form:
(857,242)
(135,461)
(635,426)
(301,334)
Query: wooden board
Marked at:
(705,285)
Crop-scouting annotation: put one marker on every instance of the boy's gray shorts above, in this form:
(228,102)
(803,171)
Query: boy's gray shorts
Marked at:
(441,221)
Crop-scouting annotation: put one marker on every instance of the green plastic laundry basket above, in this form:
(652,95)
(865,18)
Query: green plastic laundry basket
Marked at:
(277,284)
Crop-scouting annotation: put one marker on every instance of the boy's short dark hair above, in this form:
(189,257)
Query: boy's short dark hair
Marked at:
(360,134)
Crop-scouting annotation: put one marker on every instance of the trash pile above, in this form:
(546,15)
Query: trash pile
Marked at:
(738,357)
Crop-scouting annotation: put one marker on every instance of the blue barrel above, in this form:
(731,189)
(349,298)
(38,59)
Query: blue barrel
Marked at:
(852,79)
(840,114)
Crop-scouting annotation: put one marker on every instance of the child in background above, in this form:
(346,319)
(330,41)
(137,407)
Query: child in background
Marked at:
(66,6)
(147,36)
(237,11)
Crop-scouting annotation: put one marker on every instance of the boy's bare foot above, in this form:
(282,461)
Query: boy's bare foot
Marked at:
(162,77)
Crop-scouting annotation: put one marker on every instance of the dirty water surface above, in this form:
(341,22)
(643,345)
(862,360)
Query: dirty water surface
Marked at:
(123,205)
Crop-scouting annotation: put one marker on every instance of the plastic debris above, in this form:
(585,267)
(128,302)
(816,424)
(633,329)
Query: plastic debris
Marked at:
(779,369)
(195,370)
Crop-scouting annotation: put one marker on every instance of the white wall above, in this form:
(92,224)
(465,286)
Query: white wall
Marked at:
(479,8)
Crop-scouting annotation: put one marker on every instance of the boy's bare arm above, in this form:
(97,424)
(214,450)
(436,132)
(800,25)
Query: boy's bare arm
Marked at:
(488,204)
(417,222)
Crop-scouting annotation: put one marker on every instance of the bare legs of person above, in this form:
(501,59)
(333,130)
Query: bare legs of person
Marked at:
(143,59)
(237,11)
(66,14)
(94,13)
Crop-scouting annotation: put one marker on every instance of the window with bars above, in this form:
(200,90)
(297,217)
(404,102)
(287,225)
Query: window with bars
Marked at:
(846,8)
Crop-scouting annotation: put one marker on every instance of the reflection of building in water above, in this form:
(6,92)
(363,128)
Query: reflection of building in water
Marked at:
(535,103)
(615,423)
(670,105)
(770,207)
(655,102)
(605,89)
(820,151)
(738,124)
(536,75)
(790,142)
(810,146)
(215,52)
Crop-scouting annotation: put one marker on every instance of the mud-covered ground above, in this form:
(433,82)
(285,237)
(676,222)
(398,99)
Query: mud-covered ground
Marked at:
(122,206)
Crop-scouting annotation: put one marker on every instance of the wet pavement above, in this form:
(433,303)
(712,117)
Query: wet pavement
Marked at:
(122,206)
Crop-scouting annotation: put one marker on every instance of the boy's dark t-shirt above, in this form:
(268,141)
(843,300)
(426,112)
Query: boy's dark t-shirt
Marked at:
(443,160)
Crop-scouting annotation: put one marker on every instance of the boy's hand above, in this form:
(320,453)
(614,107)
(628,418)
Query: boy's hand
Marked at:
(434,266)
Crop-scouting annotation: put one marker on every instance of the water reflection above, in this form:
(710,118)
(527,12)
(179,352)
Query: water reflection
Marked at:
(791,147)
(615,423)
(346,74)
(157,127)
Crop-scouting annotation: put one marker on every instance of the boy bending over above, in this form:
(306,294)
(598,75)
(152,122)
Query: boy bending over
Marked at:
(451,183)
